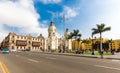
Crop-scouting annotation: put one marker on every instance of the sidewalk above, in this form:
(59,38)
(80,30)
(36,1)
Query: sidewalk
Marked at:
(116,56)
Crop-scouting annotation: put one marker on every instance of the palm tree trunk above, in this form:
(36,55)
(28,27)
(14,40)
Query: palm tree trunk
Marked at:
(101,51)
(92,46)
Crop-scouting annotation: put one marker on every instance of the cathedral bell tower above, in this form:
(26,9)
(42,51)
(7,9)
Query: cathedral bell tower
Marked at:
(52,30)
(52,39)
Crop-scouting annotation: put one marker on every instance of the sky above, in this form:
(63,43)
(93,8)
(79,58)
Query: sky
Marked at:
(34,16)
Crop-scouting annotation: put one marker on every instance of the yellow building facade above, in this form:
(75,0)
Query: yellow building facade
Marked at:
(115,44)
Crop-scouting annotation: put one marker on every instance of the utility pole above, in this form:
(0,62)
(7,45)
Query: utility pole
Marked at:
(92,46)
(63,19)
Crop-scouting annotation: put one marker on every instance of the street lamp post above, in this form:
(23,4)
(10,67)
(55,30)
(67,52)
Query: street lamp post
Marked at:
(92,46)
(111,46)
(63,20)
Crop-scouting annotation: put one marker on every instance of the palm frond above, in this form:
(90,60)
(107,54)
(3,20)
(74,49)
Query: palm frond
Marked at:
(95,32)
(78,39)
(75,34)
(94,29)
(106,29)
(70,36)
(79,35)
(100,27)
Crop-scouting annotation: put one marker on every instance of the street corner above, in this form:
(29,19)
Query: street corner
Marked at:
(3,68)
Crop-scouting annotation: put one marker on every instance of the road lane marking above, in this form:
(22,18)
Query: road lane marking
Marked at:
(4,68)
(107,67)
(51,58)
(116,60)
(33,60)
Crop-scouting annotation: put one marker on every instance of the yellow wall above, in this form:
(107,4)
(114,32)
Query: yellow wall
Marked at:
(80,45)
(76,45)
(115,44)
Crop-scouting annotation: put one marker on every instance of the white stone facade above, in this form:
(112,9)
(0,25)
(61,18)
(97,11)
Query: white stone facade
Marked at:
(54,43)
(20,42)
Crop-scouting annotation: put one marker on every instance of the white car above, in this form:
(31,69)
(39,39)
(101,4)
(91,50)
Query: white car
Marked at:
(13,50)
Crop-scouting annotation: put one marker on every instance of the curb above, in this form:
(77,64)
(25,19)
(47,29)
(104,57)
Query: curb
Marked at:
(114,58)
(78,55)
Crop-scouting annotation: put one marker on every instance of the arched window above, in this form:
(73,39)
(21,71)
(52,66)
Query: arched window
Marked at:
(29,42)
(53,34)
(12,47)
(17,36)
(21,37)
(13,36)
(12,41)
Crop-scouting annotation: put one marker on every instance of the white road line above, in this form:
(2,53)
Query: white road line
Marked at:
(107,67)
(116,60)
(50,58)
(33,60)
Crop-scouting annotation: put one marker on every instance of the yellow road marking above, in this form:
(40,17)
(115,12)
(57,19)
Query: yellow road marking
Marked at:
(4,68)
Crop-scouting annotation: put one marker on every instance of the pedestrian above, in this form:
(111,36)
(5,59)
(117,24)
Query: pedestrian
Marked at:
(102,52)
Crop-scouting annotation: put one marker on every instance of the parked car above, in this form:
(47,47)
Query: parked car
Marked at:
(13,50)
(5,51)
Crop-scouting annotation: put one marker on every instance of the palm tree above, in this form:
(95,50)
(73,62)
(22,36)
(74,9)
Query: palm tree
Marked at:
(100,28)
(75,35)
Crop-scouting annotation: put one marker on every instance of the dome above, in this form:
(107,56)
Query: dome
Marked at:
(52,27)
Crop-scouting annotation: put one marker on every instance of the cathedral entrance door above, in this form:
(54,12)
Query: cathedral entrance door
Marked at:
(29,48)
(48,48)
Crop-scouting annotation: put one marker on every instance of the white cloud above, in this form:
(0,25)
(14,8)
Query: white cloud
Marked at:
(96,12)
(50,1)
(3,33)
(20,14)
(69,12)
(110,15)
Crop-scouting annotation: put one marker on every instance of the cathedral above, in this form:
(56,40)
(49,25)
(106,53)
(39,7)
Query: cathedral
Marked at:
(54,43)
(51,43)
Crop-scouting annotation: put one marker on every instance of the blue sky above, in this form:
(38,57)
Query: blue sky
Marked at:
(34,16)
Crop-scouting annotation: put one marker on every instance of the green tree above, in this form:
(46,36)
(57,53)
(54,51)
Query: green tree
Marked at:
(78,40)
(75,35)
(100,29)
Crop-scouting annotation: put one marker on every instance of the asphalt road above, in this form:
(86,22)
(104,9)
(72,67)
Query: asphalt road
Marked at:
(27,62)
